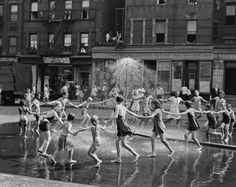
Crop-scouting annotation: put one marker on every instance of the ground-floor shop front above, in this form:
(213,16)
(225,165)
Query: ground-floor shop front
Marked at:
(55,72)
(171,68)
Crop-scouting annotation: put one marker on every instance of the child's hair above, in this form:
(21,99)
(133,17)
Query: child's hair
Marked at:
(157,104)
(70,117)
(94,119)
(228,106)
(188,104)
(208,106)
(222,93)
(22,103)
(90,99)
(36,95)
(119,99)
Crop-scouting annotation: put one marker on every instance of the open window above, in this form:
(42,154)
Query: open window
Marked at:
(192,31)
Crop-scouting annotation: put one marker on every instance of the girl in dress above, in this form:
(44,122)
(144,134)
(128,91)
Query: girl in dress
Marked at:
(158,127)
(122,128)
(136,99)
(197,102)
(174,108)
(193,125)
(145,107)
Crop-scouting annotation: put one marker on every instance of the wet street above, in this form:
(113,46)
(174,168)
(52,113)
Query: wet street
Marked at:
(211,167)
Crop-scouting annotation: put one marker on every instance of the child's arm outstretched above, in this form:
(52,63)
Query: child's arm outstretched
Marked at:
(82,104)
(82,130)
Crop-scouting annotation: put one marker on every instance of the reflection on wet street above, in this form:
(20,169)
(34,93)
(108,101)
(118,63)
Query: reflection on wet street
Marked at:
(211,167)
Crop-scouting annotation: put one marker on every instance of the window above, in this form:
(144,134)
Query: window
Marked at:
(67,40)
(85,11)
(230,15)
(33,41)
(85,4)
(163,75)
(51,41)
(194,2)
(52,7)
(160,31)
(68,8)
(192,31)
(161,2)
(12,45)
(84,42)
(1,10)
(138,32)
(14,13)
(34,11)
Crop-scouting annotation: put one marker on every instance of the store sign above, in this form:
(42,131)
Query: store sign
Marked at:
(63,60)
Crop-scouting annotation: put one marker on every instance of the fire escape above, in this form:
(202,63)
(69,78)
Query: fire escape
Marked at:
(62,23)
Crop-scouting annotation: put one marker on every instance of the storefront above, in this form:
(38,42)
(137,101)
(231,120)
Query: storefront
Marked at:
(172,67)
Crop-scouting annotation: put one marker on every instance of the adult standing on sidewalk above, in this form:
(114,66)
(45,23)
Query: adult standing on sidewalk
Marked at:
(1,88)
(158,92)
(46,93)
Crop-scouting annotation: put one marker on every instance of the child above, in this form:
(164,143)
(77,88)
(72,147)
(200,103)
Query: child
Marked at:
(84,112)
(212,122)
(232,119)
(136,99)
(158,127)
(45,127)
(36,109)
(122,128)
(145,106)
(28,98)
(95,130)
(24,121)
(64,142)
(193,125)
(225,123)
(197,102)
(174,108)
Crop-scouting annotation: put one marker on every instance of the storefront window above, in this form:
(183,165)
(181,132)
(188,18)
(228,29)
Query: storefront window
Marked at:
(205,76)
(163,75)
(177,76)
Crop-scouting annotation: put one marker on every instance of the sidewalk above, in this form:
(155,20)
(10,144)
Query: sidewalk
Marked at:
(8,180)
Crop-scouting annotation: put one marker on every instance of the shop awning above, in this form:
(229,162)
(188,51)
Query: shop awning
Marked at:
(56,60)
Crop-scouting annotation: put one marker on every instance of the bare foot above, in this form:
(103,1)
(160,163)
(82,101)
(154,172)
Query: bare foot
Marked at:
(151,155)
(72,161)
(199,149)
(171,153)
(136,157)
(98,163)
(118,160)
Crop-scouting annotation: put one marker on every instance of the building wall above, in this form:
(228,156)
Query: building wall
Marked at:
(176,13)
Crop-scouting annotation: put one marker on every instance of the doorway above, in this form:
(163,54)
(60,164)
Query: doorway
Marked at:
(191,75)
(230,72)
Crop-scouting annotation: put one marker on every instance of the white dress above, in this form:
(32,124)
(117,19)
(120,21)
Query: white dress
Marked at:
(136,106)
(174,108)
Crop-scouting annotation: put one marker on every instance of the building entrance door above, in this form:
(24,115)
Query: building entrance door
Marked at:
(230,72)
(191,75)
